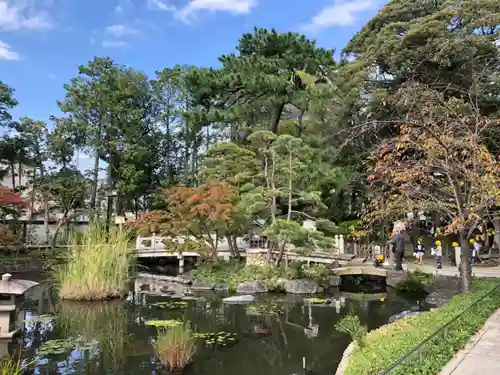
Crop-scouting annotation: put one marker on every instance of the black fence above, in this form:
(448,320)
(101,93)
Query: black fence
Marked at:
(413,361)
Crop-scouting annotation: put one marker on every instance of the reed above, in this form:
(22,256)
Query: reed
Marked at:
(175,347)
(97,265)
(9,366)
(105,322)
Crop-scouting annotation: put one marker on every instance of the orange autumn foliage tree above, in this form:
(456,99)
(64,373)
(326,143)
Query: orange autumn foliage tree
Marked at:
(194,218)
(438,163)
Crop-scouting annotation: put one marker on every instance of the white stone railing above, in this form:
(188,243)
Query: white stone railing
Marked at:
(155,242)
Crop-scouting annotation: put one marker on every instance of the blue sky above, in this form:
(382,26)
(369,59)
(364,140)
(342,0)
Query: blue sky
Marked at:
(43,41)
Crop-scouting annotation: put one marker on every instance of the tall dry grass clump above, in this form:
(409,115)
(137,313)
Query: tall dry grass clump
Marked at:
(98,265)
(175,346)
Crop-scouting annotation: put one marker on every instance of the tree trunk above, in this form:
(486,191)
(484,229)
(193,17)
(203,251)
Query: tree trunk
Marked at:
(496,238)
(13,176)
(46,220)
(465,266)
(60,224)
(230,246)
(235,247)
(275,117)
(93,197)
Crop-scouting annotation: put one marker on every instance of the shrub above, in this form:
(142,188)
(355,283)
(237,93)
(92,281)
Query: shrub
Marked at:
(234,274)
(416,283)
(387,344)
(175,346)
(351,325)
(97,265)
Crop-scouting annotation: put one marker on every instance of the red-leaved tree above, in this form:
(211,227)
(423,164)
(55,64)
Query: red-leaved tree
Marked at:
(11,204)
(195,218)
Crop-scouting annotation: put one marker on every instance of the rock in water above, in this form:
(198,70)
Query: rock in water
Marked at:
(303,286)
(403,315)
(202,285)
(245,298)
(221,287)
(251,287)
(335,280)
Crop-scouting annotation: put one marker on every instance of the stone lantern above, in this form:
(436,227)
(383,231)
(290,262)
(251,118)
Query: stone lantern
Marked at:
(10,292)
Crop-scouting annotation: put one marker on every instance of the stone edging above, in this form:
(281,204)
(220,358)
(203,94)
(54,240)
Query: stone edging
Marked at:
(345,358)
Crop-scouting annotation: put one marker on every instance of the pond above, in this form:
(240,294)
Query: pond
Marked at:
(273,335)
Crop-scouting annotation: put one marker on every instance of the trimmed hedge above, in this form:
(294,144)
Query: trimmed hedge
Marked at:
(387,344)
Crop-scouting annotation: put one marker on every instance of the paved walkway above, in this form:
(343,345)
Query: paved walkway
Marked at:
(481,356)
(477,271)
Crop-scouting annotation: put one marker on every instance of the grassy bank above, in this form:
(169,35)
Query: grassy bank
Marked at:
(273,276)
(97,266)
(387,344)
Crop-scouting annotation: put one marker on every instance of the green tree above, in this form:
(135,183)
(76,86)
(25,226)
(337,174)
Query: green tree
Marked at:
(256,84)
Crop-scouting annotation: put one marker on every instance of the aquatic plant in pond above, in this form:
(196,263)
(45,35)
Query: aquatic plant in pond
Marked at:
(98,265)
(213,340)
(103,322)
(175,346)
(316,301)
(266,308)
(164,323)
(9,366)
(170,305)
(63,346)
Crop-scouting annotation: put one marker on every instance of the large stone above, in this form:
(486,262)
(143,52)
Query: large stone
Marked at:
(302,286)
(395,277)
(250,287)
(441,290)
(202,285)
(335,281)
(245,298)
(221,287)
(404,315)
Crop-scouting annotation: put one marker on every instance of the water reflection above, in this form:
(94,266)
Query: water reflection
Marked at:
(273,334)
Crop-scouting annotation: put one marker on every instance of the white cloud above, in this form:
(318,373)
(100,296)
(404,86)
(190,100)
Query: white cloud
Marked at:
(6,53)
(51,76)
(229,6)
(340,13)
(110,43)
(122,6)
(161,5)
(120,30)
(24,14)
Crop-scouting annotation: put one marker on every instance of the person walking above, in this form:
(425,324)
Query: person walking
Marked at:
(398,244)
(438,253)
(419,251)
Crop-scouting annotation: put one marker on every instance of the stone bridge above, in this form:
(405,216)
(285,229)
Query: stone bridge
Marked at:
(392,277)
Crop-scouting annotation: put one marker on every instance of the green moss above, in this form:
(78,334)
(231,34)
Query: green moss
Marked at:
(387,344)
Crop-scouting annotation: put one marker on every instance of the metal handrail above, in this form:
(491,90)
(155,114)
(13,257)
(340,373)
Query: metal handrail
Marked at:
(436,333)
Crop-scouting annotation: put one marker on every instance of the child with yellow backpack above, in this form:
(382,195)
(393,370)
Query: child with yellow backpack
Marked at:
(438,252)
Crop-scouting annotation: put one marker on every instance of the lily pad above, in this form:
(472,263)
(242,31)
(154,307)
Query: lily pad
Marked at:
(316,300)
(163,323)
(170,305)
(211,339)
(63,346)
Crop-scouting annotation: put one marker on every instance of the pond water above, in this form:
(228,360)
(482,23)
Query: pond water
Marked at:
(273,335)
